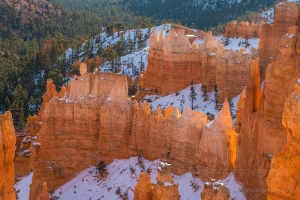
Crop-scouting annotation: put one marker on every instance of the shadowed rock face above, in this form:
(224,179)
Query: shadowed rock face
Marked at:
(284,179)
(261,131)
(94,120)
(243,29)
(7,152)
(286,15)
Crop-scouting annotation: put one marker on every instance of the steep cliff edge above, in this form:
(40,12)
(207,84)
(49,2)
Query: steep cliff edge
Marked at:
(7,153)
(261,132)
(284,179)
(177,60)
(287,14)
(88,124)
(95,120)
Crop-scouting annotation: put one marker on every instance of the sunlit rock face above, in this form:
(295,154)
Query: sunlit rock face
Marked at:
(261,132)
(175,62)
(283,179)
(7,152)
(89,123)
(94,120)
(185,140)
(144,188)
(286,15)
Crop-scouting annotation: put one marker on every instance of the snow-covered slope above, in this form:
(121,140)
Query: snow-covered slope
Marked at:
(239,43)
(124,174)
(133,63)
(181,100)
(23,187)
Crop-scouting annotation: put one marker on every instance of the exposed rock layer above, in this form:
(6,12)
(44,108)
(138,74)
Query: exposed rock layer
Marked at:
(96,121)
(261,131)
(7,152)
(284,178)
(174,62)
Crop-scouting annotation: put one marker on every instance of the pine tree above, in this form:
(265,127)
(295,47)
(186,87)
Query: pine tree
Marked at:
(193,94)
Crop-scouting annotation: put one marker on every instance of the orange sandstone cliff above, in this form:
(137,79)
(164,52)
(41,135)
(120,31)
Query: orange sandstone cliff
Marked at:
(284,178)
(95,120)
(287,14)
(174,62)
(261,131)
(7,152)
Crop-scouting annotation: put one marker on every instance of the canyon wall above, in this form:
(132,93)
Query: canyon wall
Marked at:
(95,120)
(94,111)
(7,153)
(174,62)
(206,149)
(243,29)
(287,14)
(261,131)
(284,179)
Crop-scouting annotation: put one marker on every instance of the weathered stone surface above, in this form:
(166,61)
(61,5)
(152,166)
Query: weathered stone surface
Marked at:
(90,123)
(96,121)
(284,178)
(193,147)
(174,62)
(44,195)
(215,190)
(243,29)
(261,131)
(165,189)
(7,152)
(287,14)
(143,188)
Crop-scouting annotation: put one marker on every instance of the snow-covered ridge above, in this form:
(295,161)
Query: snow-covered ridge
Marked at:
(123,175)
(181,100)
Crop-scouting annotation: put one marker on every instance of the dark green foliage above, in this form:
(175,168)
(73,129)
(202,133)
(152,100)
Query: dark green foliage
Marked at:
(101,167)
(193,94)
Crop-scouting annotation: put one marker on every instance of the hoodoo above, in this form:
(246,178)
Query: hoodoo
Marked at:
(7,153)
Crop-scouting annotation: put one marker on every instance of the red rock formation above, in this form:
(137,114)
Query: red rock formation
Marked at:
(7,152)
(90,123)
(49,94)
(286,15)
(165,189)
(215,190)
(262,133)
(95,120)
(172,64)
(232,73)
(283,178)
(44,195)
(143,188)
(194,146)
(243,29)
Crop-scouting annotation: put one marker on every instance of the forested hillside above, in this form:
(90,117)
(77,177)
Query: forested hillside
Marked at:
(35,35)
(196,13)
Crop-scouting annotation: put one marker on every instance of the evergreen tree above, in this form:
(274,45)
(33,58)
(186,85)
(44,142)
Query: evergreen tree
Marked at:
(193,94)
